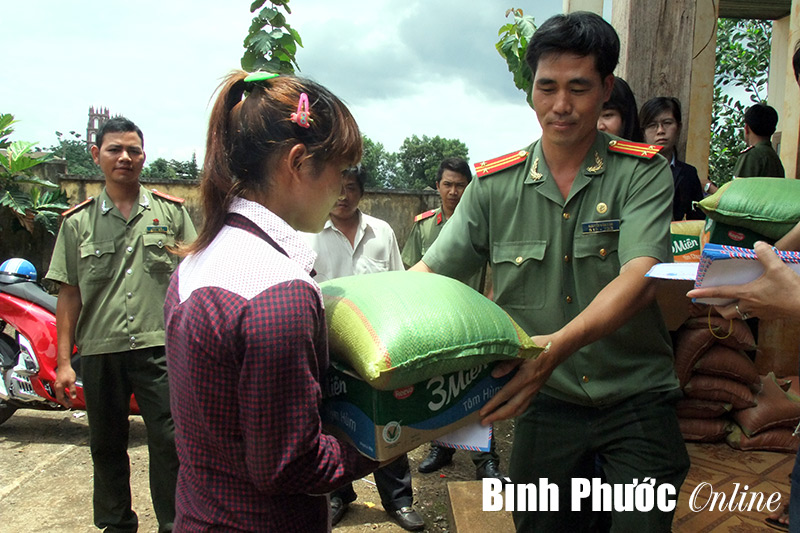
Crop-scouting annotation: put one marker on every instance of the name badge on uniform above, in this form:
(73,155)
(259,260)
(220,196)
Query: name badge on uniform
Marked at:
(157,229)
(600,226)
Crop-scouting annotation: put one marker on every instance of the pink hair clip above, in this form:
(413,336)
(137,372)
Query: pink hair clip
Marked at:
(302,118)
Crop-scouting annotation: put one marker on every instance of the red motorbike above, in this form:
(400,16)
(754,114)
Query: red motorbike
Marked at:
(28,344)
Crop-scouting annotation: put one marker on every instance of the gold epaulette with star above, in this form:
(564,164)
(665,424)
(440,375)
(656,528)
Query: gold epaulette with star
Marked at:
(490,166)
(641,150)
(168,196)
(77,207)
(423,216)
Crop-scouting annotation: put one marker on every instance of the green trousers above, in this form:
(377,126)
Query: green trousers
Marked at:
(108,382)
(562,441)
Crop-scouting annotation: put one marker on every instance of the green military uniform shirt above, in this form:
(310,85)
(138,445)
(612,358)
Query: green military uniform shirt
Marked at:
(550,257)
(759,160)
(425,230)
(122,268)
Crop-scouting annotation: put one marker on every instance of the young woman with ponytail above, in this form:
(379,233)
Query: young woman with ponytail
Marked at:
(246,335)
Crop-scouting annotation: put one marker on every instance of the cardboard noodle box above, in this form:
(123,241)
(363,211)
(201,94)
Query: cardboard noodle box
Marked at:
(720,233)
(685,240)
(385,424)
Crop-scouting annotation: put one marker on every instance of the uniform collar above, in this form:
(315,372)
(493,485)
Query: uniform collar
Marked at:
(594,165)
(106,204)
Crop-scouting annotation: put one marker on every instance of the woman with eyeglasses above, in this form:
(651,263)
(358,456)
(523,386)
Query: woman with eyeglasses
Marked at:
(661,124)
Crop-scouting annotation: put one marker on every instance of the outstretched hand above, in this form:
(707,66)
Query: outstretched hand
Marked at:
(776,294)
(515,397)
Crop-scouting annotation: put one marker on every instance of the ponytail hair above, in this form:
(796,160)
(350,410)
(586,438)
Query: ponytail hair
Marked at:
(252,124)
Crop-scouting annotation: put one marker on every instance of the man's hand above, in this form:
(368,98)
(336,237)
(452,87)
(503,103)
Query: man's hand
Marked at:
(776,294)
(68,308)
(421,267)
(65,385)
(515,397)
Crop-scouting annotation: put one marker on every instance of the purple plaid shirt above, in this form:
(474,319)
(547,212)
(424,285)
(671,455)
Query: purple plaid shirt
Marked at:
(246,348)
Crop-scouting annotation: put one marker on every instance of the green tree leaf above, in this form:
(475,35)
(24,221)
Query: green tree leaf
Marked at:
(19,187)
(271,44)
(513,42)
(419,159)
(743,48)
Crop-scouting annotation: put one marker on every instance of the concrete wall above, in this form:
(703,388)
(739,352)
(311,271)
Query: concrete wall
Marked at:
(398,208)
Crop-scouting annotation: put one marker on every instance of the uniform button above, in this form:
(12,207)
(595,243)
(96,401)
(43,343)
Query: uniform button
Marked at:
(130,318)
(130,249)
(603,252)
(129,271)
(160,244)
(566,216)
(130,295)
(97,252)
(569,299)
(586,379)
(133,339)
(519,260)
(566,259)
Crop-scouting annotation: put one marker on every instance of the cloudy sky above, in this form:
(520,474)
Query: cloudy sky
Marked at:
(404,67)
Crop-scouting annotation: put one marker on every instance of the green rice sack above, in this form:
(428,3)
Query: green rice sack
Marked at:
(769,206)
(399,328)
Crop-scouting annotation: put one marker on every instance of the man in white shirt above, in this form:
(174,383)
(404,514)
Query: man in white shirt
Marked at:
(354,243)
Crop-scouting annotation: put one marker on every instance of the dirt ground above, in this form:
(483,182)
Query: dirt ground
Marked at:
(46,481)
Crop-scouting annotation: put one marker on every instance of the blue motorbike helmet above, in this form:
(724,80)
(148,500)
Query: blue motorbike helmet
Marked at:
(16,270)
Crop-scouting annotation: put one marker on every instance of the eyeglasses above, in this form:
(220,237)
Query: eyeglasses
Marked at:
(663,124)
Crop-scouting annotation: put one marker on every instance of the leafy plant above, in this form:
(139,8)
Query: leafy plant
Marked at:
(419,159)
(414,166)
(743,50)
(73,150)
(514,39)
(379,164)
(272,50)
(20,190)
(172,169)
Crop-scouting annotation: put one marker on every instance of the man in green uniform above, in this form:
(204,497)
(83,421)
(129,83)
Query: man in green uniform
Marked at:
(570,226)
(452,178)
(113,260)
(759,159)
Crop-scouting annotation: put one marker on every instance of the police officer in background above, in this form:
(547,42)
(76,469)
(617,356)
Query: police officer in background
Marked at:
(452,178)
(112,258)
(571,225)
(759,159)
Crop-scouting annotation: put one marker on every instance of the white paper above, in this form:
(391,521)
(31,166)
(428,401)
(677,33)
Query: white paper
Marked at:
(684,271)
(734,271)
(473,437)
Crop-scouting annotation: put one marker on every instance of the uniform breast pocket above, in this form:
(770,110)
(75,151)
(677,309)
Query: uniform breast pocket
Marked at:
(600,254)
(518,272)
(156,256)
(97,260)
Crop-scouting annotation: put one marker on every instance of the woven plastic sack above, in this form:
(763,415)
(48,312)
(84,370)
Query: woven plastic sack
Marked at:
(768,206)
(399,328)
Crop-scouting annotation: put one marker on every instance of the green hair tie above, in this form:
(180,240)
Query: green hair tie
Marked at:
(260,76)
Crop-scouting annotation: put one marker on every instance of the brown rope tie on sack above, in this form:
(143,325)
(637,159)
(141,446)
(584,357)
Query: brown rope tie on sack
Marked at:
(730,327)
